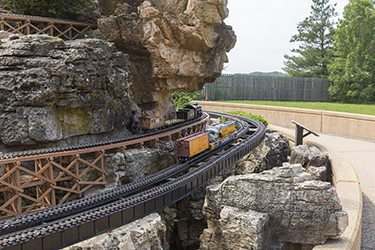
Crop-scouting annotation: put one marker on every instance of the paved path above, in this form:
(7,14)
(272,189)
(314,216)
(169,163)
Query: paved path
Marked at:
(361,155)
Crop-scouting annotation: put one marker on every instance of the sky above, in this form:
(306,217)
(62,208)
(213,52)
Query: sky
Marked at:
(263,30)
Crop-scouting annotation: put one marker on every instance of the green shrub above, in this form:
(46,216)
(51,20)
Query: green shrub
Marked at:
(47,8)
(250,115)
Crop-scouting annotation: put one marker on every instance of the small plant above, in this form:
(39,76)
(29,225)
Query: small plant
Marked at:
(250,115)
(224,119)
(171,220)
(181,99)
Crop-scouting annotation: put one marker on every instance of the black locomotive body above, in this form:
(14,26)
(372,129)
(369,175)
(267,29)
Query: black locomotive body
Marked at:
(190,112)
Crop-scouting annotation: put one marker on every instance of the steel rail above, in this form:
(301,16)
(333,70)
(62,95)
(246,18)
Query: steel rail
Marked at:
(54,213)
(86,224)
(94,146)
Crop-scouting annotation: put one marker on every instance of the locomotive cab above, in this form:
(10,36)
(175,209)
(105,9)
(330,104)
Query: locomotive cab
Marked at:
(213,134)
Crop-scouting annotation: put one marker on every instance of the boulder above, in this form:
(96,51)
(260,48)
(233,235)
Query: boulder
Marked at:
(284,205)
(239,230)
(318,173)
(174,45)
(148,233)
(272,152)
(309,156)
(52,90)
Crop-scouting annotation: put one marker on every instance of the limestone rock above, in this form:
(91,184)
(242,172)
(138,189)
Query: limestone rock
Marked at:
(133,165)
(148,233)
(4,34)
(272,152)
(52,90)
(309,156)
(318,173)
(174,45)
(192,222)
(300,210)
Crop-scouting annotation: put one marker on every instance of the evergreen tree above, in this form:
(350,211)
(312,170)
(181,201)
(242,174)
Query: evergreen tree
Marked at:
(315,34)
(353,70)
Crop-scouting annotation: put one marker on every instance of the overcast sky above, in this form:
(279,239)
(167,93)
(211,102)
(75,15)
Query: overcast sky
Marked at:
(263,30)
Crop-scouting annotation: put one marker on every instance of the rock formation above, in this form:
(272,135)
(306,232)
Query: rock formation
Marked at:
(262,211)
(316,162)
(53,90)
(135,164)
(272,152)
(147,233)
(192,222)
(174,45)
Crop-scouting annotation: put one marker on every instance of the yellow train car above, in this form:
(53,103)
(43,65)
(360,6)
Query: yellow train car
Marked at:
(191,145)
(226,130)
(151,119)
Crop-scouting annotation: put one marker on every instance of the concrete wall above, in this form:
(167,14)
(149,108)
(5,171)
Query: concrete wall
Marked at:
(354,125)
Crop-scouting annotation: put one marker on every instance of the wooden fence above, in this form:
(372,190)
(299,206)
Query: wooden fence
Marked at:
(27,25)
(267,88)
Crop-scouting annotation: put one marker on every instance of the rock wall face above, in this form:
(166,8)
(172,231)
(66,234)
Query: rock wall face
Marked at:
(53,90)
(148,233)
(272,152)
(261,211)
(174,45)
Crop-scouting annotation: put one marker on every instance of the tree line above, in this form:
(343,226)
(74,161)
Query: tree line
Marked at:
(343,51)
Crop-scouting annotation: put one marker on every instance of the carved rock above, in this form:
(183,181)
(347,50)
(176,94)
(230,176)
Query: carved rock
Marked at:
(272,152)
(148,233)
(309,156)
(173,45)
(300,210)
(52,90)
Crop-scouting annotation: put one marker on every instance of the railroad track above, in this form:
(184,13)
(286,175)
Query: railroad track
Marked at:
(89,147)
(91,216)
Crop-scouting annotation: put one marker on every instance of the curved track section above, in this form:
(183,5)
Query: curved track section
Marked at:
(99,145)
(111,214)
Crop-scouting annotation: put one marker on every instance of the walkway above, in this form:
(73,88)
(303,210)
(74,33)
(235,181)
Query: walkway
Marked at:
(361,155)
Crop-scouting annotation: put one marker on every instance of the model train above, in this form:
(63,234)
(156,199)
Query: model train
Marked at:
(213,137)
(152,119)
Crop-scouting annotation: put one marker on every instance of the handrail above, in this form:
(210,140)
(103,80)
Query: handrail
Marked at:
(15,17)
(29,25)
(299,133)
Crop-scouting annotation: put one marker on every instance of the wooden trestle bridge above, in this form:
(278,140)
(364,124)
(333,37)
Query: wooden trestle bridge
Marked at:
(27,25)
(31,181)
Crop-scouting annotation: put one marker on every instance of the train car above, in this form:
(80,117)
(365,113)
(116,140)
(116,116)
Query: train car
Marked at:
(211,138)
(197,109)
(192,145)
(151,120)
(173,122)
(185,113)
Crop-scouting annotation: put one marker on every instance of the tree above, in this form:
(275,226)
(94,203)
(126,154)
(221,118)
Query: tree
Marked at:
(315,34)
(47,8)
(353,69)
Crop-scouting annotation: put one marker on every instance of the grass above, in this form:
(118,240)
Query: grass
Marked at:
(366,109)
